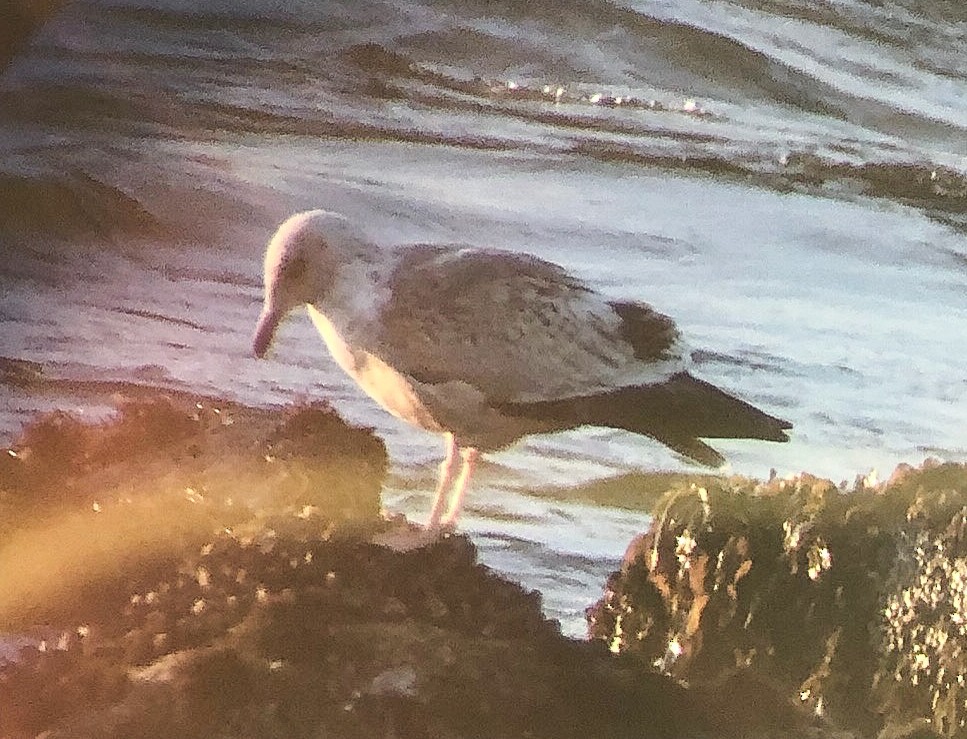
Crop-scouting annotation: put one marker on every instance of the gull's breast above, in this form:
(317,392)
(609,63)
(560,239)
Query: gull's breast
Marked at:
(388,387)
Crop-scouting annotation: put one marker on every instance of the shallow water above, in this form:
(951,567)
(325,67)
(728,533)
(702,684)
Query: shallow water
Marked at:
(786,180)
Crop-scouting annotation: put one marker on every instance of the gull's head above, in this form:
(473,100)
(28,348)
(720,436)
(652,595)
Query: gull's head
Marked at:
(302,261)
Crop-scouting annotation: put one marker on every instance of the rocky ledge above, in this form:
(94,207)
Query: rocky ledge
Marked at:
(195,568)
(797,597)
(200,570)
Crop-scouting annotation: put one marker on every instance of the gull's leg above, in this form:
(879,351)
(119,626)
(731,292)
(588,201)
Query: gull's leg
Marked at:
(447,469)
(460,488)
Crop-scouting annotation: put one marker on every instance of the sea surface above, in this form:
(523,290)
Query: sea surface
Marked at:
(787,178)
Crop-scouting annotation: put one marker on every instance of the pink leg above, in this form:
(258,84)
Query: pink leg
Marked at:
(460,489)
(447,468)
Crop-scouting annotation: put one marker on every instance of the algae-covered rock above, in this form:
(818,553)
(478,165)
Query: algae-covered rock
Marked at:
(192,569)
(294,636)
(84,507)
(850,605)
(923,671)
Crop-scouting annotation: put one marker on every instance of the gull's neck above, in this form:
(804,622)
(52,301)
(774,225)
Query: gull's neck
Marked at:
(359,288)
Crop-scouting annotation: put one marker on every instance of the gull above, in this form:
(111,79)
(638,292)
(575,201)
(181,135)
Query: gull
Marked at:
(487,346)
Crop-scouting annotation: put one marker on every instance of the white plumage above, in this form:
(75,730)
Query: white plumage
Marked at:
(487,346)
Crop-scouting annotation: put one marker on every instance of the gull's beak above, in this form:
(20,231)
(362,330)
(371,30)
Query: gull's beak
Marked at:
(268,322)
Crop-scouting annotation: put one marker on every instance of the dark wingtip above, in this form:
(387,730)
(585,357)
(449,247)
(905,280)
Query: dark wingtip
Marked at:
(780,427)
(677,413)
(693,449)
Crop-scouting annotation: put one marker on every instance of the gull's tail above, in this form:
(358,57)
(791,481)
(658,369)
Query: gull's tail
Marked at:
(677,412)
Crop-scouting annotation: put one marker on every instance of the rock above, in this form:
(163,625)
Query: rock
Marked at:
(94,504)
(789,603)
(229,586)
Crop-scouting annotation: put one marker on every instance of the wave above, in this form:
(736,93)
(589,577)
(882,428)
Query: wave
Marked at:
(108,105)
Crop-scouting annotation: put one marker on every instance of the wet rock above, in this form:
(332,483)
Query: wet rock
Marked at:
(228,585)
(302,646)
(91,505)
(793,602)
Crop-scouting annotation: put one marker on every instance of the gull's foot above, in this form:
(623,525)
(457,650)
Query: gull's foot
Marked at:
(405,536)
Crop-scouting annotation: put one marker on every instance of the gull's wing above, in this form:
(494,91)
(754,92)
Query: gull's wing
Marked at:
(676,412)
(514,327)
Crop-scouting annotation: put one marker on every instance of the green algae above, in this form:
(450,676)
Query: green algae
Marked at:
(852,602)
